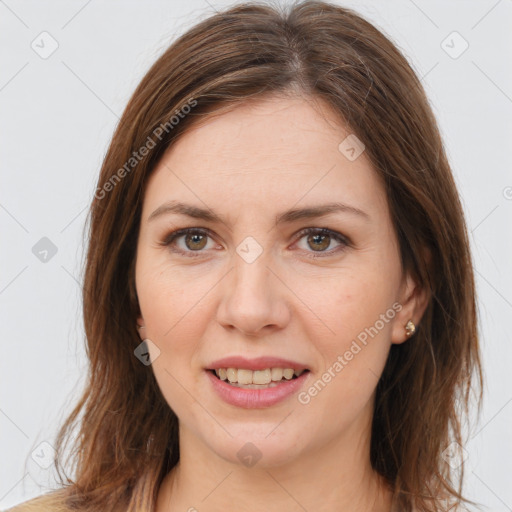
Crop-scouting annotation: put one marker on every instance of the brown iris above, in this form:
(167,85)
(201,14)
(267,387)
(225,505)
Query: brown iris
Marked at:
(198,241)
(316,237)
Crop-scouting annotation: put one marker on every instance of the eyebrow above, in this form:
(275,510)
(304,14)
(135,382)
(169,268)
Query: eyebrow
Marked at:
(289,216)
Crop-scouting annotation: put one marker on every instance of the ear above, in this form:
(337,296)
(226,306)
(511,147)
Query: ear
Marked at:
(414,300)
(141,328)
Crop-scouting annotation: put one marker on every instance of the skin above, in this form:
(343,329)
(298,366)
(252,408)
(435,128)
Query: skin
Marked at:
(248,165)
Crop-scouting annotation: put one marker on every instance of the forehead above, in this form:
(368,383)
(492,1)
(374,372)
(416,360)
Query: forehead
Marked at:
(266,130)
(276,149)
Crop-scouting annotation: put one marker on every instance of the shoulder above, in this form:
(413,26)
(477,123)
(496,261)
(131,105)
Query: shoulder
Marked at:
(51,502)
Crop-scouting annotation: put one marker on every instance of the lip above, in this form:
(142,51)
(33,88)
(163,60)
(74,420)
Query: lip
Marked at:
(259,363)
(256,398)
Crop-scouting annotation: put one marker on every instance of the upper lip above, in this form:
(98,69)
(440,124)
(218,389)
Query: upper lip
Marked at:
(259,363)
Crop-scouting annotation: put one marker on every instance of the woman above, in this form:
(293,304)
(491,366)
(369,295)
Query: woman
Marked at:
(279,299)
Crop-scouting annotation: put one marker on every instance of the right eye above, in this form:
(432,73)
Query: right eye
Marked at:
(195,239)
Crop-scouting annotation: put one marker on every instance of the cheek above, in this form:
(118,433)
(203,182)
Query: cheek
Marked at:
(172,374)
(177,333)
(172,297)
(175,305)
(346,306)
(357,316)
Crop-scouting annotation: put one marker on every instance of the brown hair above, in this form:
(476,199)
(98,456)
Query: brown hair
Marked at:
(318,50)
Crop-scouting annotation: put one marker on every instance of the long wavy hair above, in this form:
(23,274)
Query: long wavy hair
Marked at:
(127,435)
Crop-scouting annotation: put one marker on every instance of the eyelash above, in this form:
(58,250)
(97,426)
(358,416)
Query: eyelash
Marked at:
(171,237)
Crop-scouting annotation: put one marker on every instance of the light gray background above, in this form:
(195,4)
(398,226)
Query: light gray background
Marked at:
(58,114)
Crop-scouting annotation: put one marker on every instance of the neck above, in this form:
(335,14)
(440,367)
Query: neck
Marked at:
(332,478)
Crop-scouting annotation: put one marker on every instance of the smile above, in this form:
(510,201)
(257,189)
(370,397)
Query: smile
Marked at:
(256,379)
(240,387)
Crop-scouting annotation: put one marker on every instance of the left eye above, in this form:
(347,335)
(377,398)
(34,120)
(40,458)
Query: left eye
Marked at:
(320,238)
(196,240)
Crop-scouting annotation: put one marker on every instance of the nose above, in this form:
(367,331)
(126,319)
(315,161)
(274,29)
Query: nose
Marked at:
(254,299)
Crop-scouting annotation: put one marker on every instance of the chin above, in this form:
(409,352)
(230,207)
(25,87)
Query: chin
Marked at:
(254,447)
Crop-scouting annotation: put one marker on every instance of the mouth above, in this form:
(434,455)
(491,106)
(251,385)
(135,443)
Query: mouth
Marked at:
(256,379)
(256,389)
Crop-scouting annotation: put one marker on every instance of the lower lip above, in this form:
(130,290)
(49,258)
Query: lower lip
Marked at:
(256,398)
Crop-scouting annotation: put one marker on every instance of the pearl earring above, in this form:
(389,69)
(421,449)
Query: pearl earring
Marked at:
(410,328)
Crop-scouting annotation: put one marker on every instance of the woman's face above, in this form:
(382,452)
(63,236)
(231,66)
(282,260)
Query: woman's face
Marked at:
(248,287)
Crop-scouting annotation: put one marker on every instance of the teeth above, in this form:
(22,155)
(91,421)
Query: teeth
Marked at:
(277,374)
(261,377)
(232,374)
(288,373)
(244,377)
